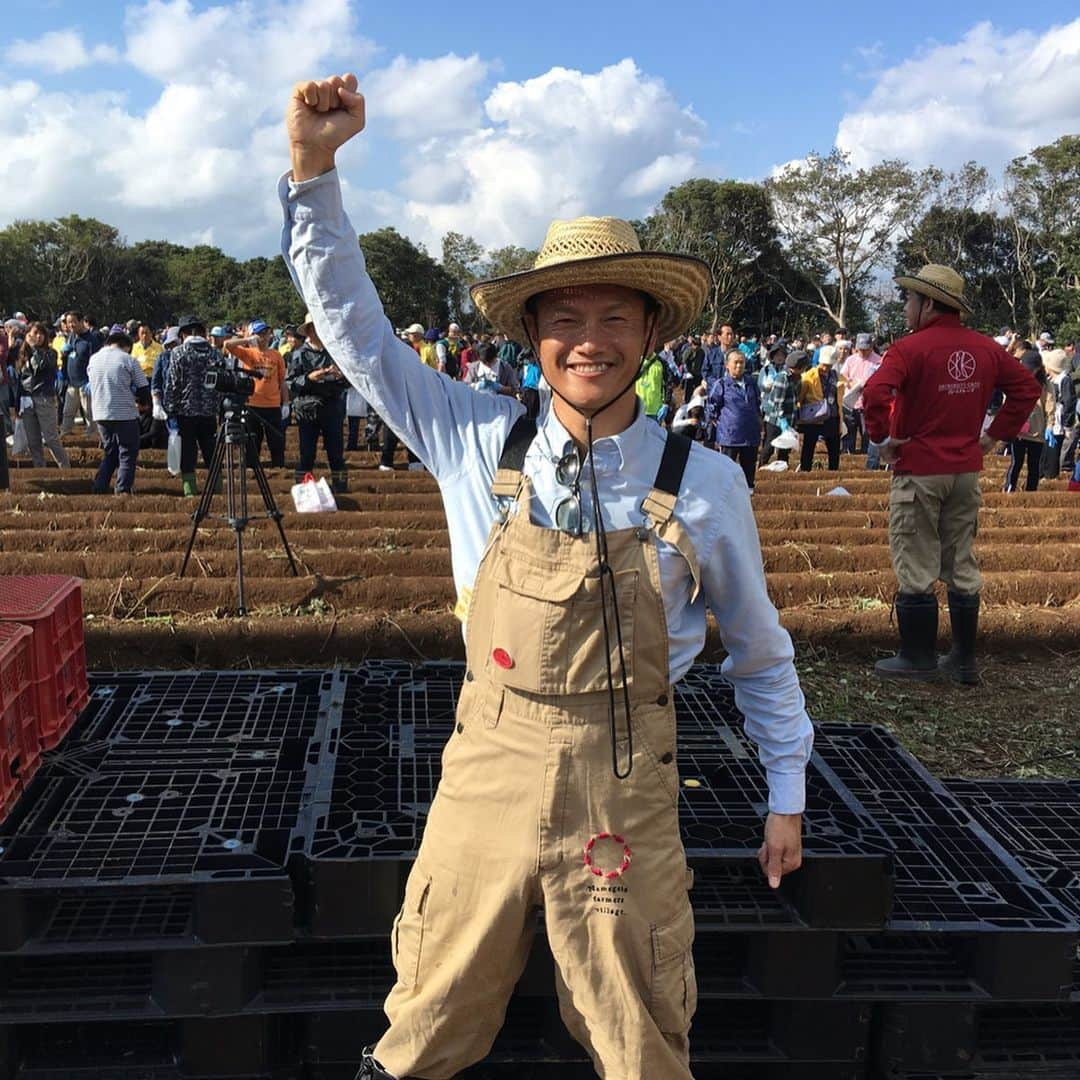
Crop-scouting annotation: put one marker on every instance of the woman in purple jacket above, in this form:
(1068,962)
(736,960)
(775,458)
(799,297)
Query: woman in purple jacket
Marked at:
(736,407)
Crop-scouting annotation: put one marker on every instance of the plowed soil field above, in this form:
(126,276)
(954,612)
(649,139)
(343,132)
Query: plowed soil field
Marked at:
(376,579)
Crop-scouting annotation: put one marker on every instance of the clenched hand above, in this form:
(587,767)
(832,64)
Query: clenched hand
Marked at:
(322,115)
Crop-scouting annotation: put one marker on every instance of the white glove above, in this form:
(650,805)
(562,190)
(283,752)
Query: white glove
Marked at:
(159,411)
(284,412)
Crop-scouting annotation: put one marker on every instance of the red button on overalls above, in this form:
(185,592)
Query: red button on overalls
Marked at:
(502,658)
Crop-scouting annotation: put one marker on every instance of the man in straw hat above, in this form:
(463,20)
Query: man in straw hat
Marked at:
(584,553)
(924,409)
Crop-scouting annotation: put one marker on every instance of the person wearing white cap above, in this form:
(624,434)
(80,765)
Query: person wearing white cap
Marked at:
(856,371)
(586,547)
(448,350)
(1061,411)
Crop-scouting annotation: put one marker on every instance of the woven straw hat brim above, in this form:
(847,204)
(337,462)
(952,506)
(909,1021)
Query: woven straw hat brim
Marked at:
(934,291)
(679,283)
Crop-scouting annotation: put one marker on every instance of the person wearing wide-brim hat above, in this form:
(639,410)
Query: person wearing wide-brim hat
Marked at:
(586,547)
(924,409)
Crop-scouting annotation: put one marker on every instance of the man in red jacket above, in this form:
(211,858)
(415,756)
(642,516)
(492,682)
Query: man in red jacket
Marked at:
(924,408)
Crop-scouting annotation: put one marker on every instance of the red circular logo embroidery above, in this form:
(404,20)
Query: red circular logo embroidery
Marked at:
(503,659)
(600,871)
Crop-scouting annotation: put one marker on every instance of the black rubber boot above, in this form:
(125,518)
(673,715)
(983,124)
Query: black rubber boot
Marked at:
(370,1069)
(959,662)
(339,482)
(917,617)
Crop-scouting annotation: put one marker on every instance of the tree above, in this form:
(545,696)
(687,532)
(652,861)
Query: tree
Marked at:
(1042,191)
(726,223)
(977,244)
(205,281)
(413,287)
(840,224)
(463,260)
(508,260)
(266,291)
(72,262)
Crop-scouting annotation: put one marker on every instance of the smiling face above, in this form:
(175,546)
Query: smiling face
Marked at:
(591,340)
(35,336)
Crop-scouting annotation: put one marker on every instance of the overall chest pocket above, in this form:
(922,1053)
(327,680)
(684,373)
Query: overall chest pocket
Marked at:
(547,630)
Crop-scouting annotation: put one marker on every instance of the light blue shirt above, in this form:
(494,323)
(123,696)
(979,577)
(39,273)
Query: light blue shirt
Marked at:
(459,435)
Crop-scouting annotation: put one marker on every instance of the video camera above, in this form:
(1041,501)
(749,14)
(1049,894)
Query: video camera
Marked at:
(230,380)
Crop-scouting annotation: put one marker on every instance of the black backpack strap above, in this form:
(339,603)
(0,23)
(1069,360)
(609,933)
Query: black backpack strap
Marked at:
(659,504)
(512,459)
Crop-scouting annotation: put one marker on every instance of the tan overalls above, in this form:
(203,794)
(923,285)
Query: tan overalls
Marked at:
(529,814)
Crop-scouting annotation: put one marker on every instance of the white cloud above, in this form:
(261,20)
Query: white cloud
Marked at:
(989,96)
(417,99)
(59,51)
(204,156)
(562,144)
(201,155)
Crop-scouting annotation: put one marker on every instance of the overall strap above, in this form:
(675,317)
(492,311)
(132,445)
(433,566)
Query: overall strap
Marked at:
(659,504)
(512,460)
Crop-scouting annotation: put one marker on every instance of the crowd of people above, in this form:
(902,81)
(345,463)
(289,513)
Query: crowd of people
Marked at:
(754,400)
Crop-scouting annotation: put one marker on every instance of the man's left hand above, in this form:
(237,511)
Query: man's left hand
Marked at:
(781,853)
(890,449)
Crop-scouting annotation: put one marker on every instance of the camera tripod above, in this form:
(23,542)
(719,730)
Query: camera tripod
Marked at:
(230,450)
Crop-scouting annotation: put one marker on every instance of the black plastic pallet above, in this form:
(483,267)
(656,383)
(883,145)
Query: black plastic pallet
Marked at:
(1038,821)
(728,1031)
(339,793)
(381,766)
(334,975)
(762,1034)
(174,708)
(192,831)
(949,871)
(945,1037)
(236,1047)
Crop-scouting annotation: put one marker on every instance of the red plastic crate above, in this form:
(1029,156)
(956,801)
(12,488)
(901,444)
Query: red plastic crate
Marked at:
(51,605)
(19,749)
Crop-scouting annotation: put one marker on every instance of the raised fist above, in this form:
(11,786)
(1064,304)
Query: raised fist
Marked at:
(322,115)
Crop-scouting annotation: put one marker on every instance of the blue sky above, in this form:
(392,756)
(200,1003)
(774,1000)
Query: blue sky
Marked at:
(136,97)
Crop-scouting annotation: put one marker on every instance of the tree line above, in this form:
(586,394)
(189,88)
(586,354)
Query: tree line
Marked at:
(813,246)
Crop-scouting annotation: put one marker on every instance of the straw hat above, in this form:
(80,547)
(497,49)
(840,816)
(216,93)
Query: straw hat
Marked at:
(599,251)
(939,283)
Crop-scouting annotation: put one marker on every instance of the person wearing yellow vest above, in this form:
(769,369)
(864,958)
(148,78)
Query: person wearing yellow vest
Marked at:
(146,350)
(428,351)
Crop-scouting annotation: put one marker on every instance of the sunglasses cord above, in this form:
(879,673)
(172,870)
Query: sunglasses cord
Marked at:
(606,573)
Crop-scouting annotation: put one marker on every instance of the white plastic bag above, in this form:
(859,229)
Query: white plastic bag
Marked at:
(313,496)
(20,444)
(172,454)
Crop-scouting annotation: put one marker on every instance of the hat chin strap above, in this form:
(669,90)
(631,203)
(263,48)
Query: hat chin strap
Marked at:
(606,575)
